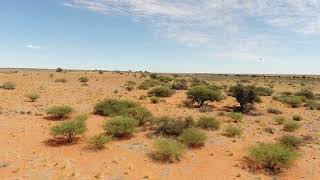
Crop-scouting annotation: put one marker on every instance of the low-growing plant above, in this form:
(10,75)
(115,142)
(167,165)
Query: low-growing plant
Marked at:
(99,141)
(61,80)
(33,96)
(202,94)
(120,126)
(161,92)
(145,85)
(293,101)
(279,120)
(168,150)
(154,99)
(113,107)
(169,126)
(83,79)
(312,105)
(59,69)
(59,112)
(291,141)
(206,122)
(235,116)
(272,156)
(140,114)
(192,137)
(297,118)
(232,131)
(291,126)
(181,84)
(308,94)
(70,129)
(8,86)
(129,86)
(274,111)
(205,108)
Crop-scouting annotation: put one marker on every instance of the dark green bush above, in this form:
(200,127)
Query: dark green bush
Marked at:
(208,123)
(145,85)
(168,150)
(99,141)
(120,126)
(70,129)
(232,131)
(154,99)
(182,84)
(170,127)
(271,156)
(140,114)
(297,118)
(205,108)
(83,79)
(246,96)
(59,69)
(161,92)
(291,126)
(202,94)
(291,141)
(293,101)
(192,137)
(308,94)
(59,112)
(113,107)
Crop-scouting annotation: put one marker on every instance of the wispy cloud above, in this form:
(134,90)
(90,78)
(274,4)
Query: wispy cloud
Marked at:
(36,47)
(237,25)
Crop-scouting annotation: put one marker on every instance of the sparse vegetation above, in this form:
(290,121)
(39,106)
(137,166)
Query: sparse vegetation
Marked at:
(291,141)
(61,80)
(154,99)
(193,137)
(232,131)
(120,126)
(206,122)
(140,114)
(202,94)
(99,141)
(279,120)
(297,118)
(8,86)
(33,96)
(161,92)
(168,150)
(291,126)
(170,127)
(235,116)
(59,112)
(83,79)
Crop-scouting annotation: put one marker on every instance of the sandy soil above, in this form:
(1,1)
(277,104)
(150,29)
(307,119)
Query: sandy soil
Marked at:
(25,153)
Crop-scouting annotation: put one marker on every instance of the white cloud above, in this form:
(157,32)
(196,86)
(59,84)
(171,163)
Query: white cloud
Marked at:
(225,24)
(36,47)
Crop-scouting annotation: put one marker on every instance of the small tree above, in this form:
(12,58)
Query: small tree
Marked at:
(69,130)
(59,69)
(202,93)
(59,112)
(33,96)
(245,96)
(120,126)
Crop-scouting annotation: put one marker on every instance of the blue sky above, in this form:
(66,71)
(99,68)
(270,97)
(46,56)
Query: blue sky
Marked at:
(212,36)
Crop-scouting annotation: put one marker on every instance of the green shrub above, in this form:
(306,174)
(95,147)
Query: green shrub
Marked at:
(291,126)
(262,91)
(274,111)
(154,99)
(83,79)
(168,150)
(59,69)
(297,118)
(235,116)
(193,137)
(164,79)
(202,94)
(182,84)
(59,112)
(129,86)
(293,101)
(170,127)
(271,156)
(232,131)
(208,123)
(306,93)
(161,92)
(245,96)
(113,107)
(8,86)
(279,120)
(291,141)
(312,105)
(99,141)
(140,114)
(70,129)
(33,96)
(120,126)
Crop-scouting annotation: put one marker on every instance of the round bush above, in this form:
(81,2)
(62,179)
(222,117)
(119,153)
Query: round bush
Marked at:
(140,114)
(291,126)
(120,126)
(170,127)
(99,141)
(168,150)
(161,92)
(33,96)
(232,131)
(83,79)
(202,93)
(208,123)
(291,141)
(112,107)
(59,112)
(192,137)
(8,85)
(154,99)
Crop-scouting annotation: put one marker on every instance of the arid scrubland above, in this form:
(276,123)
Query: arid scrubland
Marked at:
(139,125)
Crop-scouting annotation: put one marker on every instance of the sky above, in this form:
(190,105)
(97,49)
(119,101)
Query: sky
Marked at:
(196,36)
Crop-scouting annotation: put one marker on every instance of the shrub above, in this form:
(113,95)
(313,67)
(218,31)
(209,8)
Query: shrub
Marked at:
(164,79)
(291,126)
(279,120)
(297,118)
(69,130)
(192,137)
(205,108)
(180,85)
(161,92)
(293,101)
(145,85)
(113,107)
(271,156)
(99,141)
(83,79)
(153,76)
(100,71)
(245,96)
(154,99)
(8,86)
(120,126)
(129,86)
(262,91)
(291,141)
(170,127)
(208,123)
(189,122)
(306,93)
(33,96)
(232,131)
(140,114)
(59,69)
(202,94)
(59,112)
(268,130)
(61,80)
(168,150)
(312,105)
(235,116)
(274,111)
